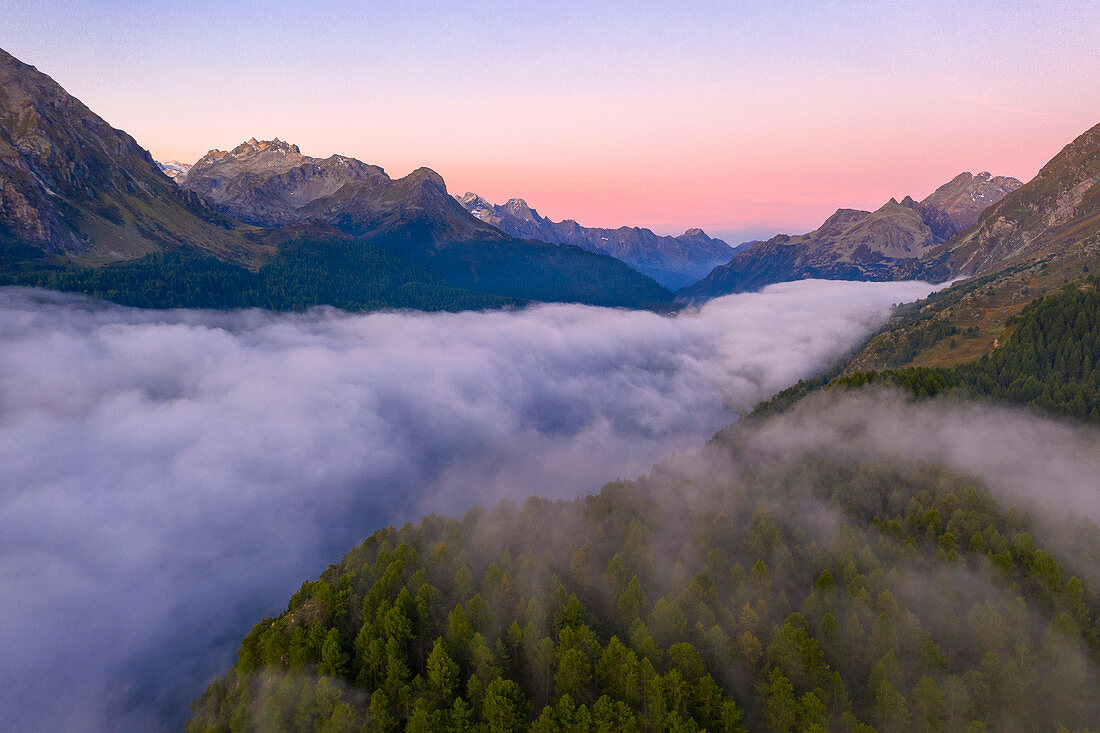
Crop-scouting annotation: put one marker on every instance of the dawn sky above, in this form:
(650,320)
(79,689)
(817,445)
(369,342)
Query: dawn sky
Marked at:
(741,118)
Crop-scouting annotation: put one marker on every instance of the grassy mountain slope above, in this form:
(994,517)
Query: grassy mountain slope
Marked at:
(1048,359)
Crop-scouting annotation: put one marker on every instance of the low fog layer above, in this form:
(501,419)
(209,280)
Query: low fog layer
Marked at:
(1045,466)
(171,476)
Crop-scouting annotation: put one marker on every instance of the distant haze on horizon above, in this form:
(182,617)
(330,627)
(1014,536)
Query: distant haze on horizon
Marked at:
(742,119)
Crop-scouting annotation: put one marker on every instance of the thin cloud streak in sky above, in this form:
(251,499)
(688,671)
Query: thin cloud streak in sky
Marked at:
(171,476)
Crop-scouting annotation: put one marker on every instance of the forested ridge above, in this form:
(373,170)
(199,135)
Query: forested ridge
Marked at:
(349,274)
(802,595)
(305,273)
(1051,360)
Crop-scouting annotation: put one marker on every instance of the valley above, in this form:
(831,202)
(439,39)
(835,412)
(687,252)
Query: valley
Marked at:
(295,436)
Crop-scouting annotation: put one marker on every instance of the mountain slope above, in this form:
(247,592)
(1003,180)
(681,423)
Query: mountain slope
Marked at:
(1048,359)
(671,261)
(303,274)
(78,190)
(860,245)
(1031,243)
(270,183)
(1056,210)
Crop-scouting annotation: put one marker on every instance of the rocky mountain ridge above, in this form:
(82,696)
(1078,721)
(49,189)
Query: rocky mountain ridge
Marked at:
(861,245)
(1033,242)
(267,182)
(671,261)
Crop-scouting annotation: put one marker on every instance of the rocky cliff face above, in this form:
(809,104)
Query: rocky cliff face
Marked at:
(271,183)
(671,261)
(963,199)
(75,187)
(860,245)
(1054,213)
(268,182)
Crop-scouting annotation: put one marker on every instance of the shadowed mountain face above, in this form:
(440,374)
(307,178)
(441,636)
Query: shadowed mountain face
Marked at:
(77,189)
(671,261)
(860,245)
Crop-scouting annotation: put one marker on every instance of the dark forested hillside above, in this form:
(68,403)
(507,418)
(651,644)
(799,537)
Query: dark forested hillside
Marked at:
(306,273)
(738,594)
(1050,360)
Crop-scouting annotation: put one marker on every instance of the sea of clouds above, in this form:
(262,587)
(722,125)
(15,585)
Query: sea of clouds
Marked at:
(168,477)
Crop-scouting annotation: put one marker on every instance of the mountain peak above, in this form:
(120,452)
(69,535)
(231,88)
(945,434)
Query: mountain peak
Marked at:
(966,196)
(517,207)
(471,199)
(252,145)
(174,169)
(844,216)
(423,175)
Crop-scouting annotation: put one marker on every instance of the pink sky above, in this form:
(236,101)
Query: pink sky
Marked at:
(728,116)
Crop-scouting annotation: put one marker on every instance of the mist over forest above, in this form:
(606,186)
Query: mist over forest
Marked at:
(173,475)
(861,562)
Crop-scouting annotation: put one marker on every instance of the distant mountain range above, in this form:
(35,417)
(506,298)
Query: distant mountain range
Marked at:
(672,261)
(861,245)
(76,193)
(84,207)
(173,168)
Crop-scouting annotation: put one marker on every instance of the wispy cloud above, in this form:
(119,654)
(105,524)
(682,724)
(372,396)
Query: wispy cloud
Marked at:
(997,105)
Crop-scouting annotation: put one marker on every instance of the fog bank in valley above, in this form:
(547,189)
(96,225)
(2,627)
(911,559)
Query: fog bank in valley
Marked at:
(169,477)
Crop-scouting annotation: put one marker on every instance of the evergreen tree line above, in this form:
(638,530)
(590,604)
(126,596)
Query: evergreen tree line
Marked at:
(1051,360)
(768,596)
(304,274)
(351,275)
